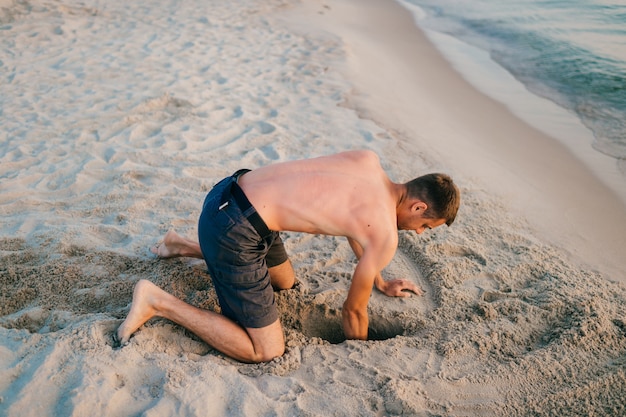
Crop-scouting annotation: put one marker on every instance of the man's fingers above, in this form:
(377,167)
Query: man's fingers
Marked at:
(417,290)
(412,287)
(407,292)
(403,288)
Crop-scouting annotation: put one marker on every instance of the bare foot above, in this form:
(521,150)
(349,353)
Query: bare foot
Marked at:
(167,248)
(174,246)
(142,309)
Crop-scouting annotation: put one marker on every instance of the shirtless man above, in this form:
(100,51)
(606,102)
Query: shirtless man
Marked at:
(346,194)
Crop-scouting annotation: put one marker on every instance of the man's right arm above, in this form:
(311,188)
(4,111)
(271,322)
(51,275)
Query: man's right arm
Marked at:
(358,252)
(372,259)
(354,312)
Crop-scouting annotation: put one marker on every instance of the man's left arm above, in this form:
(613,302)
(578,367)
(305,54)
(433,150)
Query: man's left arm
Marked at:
(391,288)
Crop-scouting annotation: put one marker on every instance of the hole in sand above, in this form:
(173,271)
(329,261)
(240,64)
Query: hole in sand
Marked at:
(325,323)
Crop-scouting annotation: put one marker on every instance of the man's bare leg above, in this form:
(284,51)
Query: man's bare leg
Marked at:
(282,276)
(174,246)
(246,345)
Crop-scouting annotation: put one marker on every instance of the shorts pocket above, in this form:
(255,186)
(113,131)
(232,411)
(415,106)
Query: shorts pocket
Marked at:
(223,220)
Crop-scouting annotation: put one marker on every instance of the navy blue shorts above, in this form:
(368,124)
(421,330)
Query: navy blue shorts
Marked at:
(238,256)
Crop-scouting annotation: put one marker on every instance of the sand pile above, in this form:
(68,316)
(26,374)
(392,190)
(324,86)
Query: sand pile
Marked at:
(506,326)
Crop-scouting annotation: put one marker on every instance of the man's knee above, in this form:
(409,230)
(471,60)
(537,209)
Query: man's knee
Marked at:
(268,342)
(271,353)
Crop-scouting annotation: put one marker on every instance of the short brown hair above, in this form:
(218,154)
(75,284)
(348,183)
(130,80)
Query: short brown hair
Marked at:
(439,193)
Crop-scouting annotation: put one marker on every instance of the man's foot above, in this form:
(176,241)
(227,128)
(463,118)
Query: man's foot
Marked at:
(141,310)
(173,246)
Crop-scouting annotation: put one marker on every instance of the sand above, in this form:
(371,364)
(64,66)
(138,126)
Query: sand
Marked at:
(118,117)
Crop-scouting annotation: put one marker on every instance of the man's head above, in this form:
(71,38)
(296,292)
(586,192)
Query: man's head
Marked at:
(438,193)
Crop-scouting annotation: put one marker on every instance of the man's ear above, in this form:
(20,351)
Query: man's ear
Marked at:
(419,206)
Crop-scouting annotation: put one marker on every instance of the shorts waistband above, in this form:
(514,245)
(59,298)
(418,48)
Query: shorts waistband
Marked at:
(244,204)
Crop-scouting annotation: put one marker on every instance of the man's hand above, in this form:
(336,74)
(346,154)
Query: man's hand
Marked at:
(398,288)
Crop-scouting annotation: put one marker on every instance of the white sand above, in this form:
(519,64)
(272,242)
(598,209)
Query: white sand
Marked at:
(116,118)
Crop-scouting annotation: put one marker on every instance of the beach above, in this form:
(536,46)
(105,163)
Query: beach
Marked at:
(117,118)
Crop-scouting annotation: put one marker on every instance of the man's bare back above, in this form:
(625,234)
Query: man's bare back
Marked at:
(335,195)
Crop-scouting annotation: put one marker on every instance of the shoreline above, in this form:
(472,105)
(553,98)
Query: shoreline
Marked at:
(411,88)
(539,112)
(491,79)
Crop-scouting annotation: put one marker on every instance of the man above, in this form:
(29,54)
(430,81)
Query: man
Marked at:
(346,194)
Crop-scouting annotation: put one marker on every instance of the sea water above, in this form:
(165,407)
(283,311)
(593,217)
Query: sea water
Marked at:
(570,52)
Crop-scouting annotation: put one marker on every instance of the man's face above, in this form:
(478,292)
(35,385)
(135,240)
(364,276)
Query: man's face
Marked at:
(412,219)
(426,224)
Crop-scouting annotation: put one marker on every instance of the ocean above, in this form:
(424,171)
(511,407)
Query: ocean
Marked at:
(571,53)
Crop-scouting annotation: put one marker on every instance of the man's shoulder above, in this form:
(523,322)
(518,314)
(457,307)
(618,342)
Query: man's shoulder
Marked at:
(363,155)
